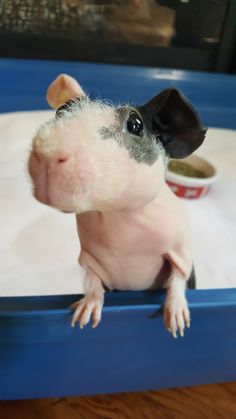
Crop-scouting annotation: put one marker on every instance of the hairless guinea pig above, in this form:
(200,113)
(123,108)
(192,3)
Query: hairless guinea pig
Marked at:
(107,165)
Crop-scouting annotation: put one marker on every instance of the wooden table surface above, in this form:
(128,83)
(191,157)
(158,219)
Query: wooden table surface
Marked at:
(202,402)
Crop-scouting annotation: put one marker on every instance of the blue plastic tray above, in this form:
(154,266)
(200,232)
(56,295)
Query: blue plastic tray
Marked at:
(40,354)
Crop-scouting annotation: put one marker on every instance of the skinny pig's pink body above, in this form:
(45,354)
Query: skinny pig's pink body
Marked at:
(128,249)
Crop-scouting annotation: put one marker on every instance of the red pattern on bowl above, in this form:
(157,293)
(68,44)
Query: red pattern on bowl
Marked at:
(186,192)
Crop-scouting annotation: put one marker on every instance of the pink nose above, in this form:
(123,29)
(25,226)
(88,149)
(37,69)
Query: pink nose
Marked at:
(58,159)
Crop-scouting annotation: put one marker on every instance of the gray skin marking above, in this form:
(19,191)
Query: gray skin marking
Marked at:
(109,132)
(143,148)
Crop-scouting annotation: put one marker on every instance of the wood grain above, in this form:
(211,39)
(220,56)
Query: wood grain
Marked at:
(203,402)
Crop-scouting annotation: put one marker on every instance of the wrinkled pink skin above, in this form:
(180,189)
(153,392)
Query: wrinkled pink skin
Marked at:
(133,230)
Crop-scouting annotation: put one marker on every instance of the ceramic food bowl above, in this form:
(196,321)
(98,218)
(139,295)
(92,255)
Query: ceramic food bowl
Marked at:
(191,177)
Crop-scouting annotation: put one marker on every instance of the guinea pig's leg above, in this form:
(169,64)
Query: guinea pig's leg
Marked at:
(91,305)
(176,312)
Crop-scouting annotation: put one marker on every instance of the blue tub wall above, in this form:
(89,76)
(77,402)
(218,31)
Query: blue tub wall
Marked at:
(23,85)
(40,354)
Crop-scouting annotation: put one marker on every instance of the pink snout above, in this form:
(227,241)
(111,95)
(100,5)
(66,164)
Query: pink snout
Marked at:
(44,170)
(52,161)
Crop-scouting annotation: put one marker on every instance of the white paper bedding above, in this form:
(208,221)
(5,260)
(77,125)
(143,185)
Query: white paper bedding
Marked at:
(39,246)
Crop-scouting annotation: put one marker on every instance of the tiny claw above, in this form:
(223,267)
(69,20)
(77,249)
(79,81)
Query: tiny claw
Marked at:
(73,321)
(181,332)
(174,334)
(188,324)
(81,326)
(95,324)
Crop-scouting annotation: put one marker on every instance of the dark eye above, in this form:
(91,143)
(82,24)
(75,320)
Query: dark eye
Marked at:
(135,124)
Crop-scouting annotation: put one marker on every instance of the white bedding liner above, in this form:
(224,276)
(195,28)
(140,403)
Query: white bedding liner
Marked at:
(39,246)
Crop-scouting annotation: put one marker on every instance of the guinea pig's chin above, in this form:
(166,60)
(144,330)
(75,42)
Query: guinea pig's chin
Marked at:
(67,212)
(64,206)
(66,209)
(59,204)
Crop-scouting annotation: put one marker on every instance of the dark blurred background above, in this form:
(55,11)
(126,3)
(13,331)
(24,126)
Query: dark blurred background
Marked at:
(182,34)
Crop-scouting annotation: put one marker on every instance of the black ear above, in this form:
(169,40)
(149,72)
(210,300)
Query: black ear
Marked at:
(174,122)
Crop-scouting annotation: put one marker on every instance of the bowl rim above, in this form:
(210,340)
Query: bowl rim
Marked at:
(193,181)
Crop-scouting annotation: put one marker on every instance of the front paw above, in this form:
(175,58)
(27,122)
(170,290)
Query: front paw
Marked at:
(87,307)
(176,315)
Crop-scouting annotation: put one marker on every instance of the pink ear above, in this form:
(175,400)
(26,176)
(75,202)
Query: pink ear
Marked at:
(62,89)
